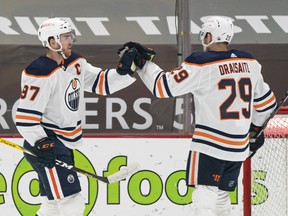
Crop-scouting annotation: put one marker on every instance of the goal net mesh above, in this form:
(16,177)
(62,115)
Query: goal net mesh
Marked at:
(269,171)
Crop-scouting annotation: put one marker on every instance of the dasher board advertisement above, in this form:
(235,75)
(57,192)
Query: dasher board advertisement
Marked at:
(157,189)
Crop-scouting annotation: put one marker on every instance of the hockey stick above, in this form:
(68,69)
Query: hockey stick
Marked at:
(272,114)
(116,177)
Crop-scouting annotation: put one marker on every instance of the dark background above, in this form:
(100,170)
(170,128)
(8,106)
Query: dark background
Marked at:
(14,58)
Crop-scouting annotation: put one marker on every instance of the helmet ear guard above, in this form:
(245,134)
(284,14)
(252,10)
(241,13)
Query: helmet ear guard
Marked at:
(220,28)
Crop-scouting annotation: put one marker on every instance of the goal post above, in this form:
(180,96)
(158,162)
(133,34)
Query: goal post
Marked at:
(265,175)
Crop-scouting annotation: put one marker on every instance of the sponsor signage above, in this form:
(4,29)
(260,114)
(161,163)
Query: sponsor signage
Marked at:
(158,188)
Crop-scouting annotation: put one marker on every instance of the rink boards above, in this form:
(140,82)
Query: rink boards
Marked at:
(158,188)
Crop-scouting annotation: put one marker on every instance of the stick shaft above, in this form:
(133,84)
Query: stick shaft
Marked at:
(274,112)
(58,162)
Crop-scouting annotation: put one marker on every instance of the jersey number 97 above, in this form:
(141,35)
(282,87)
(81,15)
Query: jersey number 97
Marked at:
(27,89)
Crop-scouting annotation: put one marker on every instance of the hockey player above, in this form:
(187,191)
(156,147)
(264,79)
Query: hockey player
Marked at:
(230,97)
(51,108)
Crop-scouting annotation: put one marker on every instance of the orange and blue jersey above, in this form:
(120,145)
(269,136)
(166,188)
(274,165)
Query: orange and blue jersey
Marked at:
(51,101)
(229,93)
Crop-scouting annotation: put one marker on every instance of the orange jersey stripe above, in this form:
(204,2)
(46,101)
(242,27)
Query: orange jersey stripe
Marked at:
(28,118)
(159,86)
(68,133)
(265,103)
(101,83)
(54,183)
(219,61)
(220,139)
(193,168)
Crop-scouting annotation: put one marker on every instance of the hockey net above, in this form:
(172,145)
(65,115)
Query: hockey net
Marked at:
(265,190)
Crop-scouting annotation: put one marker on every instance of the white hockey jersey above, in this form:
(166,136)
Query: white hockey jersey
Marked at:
(229,92)
(51,101)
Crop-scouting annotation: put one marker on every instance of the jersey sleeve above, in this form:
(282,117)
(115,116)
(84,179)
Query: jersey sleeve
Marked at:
(178,82)
(34,96)
(105,82)
(264,102)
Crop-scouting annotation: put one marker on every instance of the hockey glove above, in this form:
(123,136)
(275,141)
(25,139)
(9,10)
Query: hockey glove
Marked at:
(255,143)
(126,63)
(44,149)
(147,54)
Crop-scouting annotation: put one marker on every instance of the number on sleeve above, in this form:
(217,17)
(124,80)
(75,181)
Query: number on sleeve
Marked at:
(26,89)
(180,75)
(24,92)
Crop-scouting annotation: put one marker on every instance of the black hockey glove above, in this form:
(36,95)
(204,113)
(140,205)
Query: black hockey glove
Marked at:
(126,63)
(255,144)
(147,54)
(44,149)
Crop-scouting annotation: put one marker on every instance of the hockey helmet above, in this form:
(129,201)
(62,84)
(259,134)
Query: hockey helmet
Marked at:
(54,27)
(220,28)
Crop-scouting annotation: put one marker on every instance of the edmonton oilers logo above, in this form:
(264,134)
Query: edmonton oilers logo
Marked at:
(72,95)
(70,179)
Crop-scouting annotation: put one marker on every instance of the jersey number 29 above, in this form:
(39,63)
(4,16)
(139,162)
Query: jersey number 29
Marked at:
(244,86)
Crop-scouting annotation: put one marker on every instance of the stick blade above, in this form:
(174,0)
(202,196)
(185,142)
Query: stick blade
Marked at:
(124,173)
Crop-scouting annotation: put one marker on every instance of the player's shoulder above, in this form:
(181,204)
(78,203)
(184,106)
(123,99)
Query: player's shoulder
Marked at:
(73,57)
(241,54)
(42,66)
(201,57)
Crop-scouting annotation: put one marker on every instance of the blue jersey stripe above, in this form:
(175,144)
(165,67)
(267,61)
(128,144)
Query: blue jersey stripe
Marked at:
(268,108)
(57,127)
(95,83)
(167,87)
(205,142)
(234,136)
(263,97)
(155,83)
(70,140)
(29,111)
(26,124)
